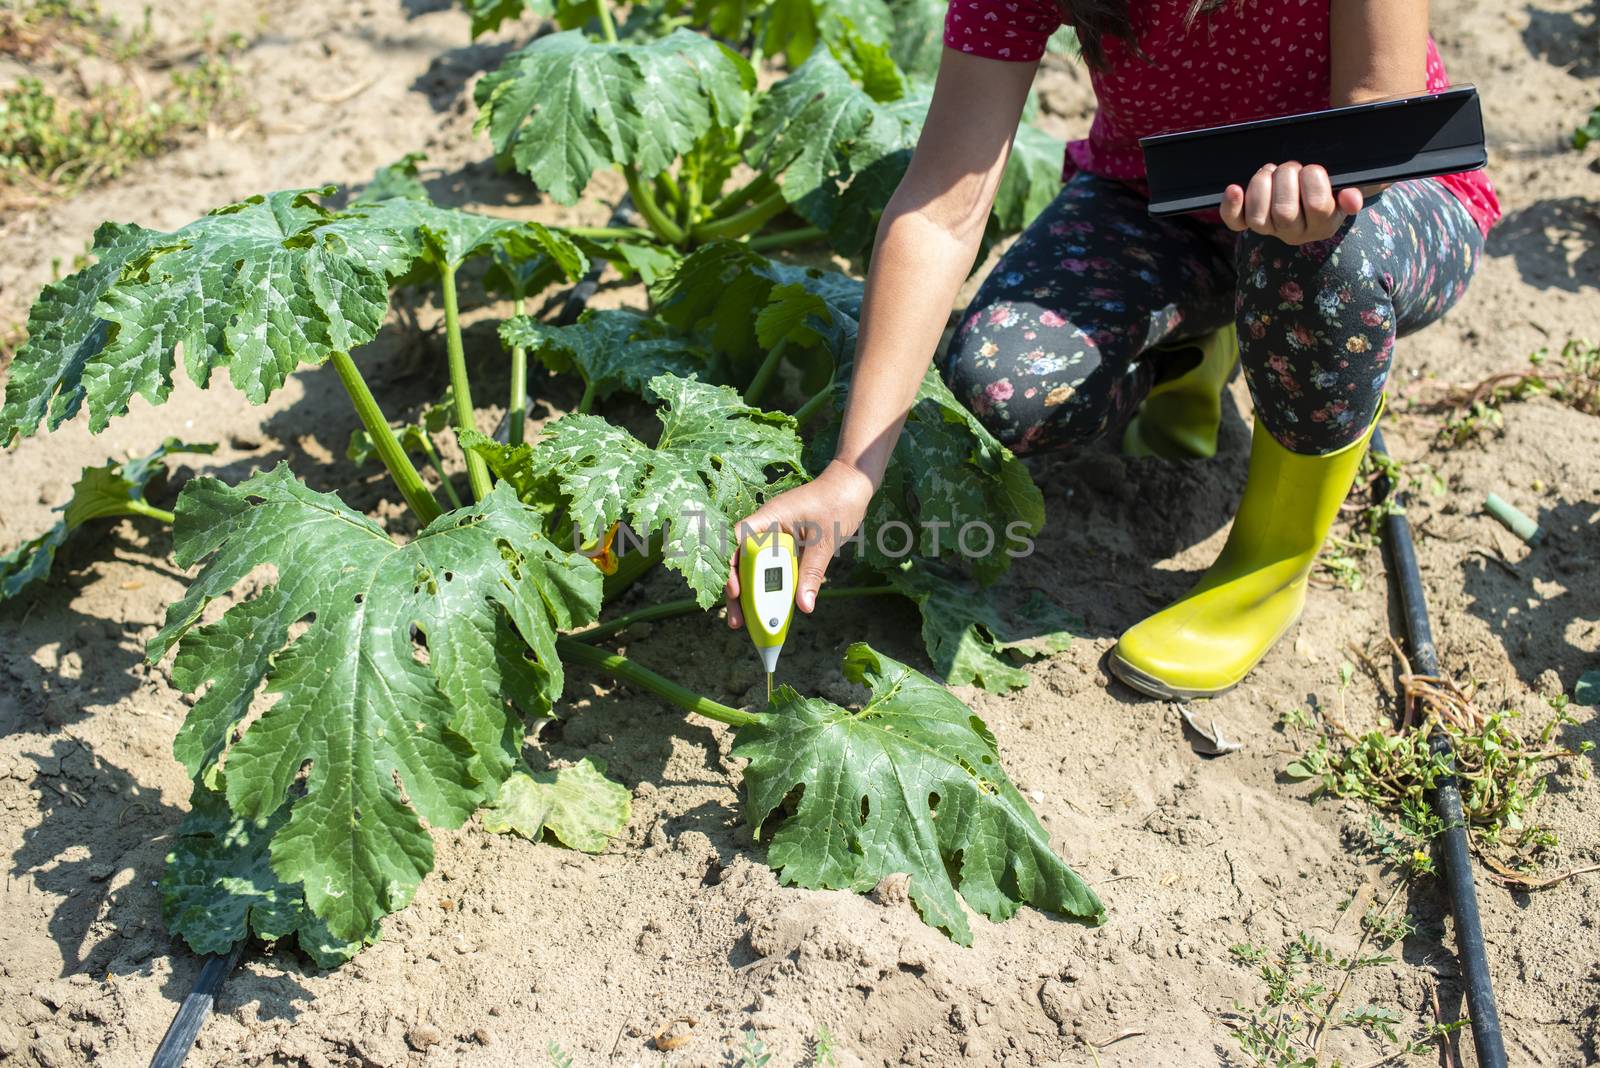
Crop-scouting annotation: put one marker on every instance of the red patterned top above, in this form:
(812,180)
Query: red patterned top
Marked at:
(1237,63)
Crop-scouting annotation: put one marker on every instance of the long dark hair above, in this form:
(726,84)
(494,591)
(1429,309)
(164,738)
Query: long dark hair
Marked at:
(1095,20)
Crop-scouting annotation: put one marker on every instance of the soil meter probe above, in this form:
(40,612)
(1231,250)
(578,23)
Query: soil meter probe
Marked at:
(767,576)
(1453,846)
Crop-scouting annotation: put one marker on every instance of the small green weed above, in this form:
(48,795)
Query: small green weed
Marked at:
(58,140)
(822,1049)
(559,1058)
(1589,131)
(1306,982)
(1503,765)
(1573,379)
(39,30)
(754,1053)
(1295,721)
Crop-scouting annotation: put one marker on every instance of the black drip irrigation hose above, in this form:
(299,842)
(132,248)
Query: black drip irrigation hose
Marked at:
(185,1027)
(1453,846)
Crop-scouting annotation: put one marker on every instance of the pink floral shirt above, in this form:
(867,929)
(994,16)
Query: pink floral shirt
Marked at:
(1237,63)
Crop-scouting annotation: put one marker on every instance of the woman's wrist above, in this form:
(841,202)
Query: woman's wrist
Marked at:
(852,474)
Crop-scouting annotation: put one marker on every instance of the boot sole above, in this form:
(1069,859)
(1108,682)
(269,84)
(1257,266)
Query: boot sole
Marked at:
(1151,686)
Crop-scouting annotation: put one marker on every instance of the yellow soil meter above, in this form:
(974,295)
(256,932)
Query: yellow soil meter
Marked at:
(767,576)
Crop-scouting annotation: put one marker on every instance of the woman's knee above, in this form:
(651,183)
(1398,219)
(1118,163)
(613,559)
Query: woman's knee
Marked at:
(1316,337)
(1030,398)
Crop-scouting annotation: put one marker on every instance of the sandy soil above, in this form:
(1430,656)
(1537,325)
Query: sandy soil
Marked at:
(510,945)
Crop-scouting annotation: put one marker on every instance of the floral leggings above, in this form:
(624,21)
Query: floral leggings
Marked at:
(1060,345)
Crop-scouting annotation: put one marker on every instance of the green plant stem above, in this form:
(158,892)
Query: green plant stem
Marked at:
(763,376)
(815,404)
(803,235)
(630,568)
(743,222)
(758,188)
(688,605)
(406,477)
(144,508)
(645,200)
(693,185)
(691,202)
(431,451)
(477,470)
(609,233)
(518,411)
(667,187)
(1326,1015)
(621,667)
(586,401)
(608,27)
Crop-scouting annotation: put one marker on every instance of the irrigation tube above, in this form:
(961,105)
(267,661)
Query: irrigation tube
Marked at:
(196,1007)
(1485,1017)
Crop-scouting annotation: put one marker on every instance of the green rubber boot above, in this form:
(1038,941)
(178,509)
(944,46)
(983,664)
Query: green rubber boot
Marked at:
(1180,417)
(1208,641)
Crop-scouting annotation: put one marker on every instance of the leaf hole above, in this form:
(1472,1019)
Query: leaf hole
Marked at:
(361,598)
(866,809)
(933,805)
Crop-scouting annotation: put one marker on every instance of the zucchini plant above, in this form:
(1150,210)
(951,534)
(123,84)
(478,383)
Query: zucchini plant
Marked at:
(707,155)
(789,28)
(400,674)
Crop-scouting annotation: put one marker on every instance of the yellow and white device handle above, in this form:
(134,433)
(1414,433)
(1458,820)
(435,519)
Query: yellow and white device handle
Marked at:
(767,576)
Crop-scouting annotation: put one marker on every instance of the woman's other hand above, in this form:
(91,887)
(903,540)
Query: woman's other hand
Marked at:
(819,516)
(1294,203)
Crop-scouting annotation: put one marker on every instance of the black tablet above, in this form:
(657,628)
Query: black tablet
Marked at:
(1359,144)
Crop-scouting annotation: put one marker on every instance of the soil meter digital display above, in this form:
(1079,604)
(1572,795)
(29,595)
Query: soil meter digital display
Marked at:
(767,574)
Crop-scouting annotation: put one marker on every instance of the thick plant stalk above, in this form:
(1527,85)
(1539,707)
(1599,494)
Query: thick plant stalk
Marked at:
(144,508)
(693,195)
(758,188)
(608,26)
(517,412)
(763,376)
(814,405)
(575,652)
(743,222)
(786,238)
(609,233)
(406,477)
(667,185)
(644,198)
(688,605)
(477,470)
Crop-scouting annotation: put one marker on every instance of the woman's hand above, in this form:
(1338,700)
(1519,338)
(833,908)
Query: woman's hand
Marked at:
(1292,203)
(818,515)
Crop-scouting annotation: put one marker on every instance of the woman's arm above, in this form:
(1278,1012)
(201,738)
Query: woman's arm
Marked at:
(926,244)
(927,240)
(1377,48)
